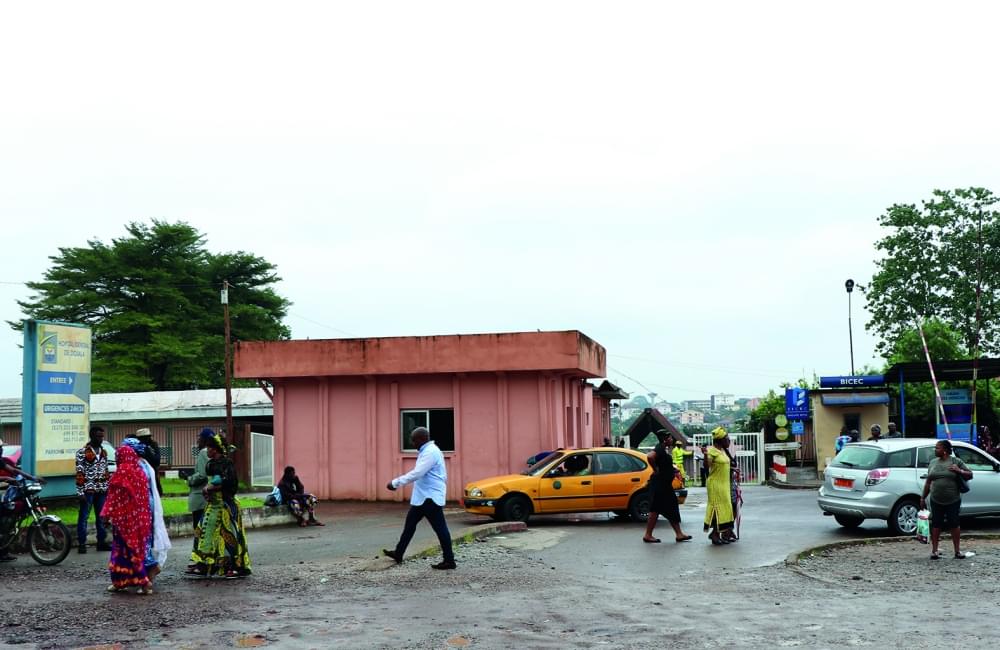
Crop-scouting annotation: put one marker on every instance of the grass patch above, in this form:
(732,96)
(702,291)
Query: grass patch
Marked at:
(174,486)
(171,506)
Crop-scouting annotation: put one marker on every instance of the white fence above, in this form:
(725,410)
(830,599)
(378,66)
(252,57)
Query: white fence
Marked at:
(261,459)
(747,450)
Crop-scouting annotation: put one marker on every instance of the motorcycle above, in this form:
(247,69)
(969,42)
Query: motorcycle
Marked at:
(48,538)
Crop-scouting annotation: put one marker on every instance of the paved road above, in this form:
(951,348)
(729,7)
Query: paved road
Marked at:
(583,581)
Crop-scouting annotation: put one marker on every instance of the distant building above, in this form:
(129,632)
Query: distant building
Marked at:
(698,404)
(664,407)
(752,403)
(692,417)
(722,400)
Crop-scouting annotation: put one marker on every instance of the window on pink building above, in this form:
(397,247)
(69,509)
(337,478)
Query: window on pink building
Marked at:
(440,422)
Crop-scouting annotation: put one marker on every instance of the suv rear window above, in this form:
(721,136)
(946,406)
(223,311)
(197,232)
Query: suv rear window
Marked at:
(859,457)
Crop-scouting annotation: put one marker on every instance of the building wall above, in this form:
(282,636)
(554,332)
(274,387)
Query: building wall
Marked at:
(828,420)
(342,434)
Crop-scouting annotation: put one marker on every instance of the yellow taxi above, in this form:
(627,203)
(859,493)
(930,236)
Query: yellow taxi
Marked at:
(598,479)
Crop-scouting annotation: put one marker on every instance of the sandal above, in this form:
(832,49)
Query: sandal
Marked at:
(146,590)
(313,522)
(683,538)
(935,555)
(115,590)
(651,541)
(960,556)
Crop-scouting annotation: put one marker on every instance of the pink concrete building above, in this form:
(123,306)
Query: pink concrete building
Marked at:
(343,407)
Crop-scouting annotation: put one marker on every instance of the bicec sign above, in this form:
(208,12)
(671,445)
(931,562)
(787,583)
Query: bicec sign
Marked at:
(852,381)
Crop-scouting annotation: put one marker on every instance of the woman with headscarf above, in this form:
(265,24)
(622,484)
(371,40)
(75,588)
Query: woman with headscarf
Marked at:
(294,495)
(140,543)
(719,511)
(221,548)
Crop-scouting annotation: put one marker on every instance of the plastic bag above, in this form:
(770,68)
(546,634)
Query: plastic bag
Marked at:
(923,526)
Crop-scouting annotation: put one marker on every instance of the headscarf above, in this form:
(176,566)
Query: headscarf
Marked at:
(138,447)
(718,433)
(127,504)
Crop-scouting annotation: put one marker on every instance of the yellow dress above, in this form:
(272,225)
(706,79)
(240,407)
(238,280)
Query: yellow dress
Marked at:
(719,511)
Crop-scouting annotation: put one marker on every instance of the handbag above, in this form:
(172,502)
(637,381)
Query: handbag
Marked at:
(963,483)
(678,483)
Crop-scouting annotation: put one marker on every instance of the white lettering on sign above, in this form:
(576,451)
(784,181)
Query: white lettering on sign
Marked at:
(851,381)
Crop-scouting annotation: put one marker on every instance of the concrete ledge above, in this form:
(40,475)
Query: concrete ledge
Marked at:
(463,536)
(180,525)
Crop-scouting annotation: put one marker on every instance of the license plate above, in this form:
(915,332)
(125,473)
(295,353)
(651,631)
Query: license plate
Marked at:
(843,482)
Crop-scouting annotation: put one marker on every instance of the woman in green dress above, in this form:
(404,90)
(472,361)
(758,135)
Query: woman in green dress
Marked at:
(719,511)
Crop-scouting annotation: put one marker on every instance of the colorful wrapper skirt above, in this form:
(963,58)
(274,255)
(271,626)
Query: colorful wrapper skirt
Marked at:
(222,543)
(128,567)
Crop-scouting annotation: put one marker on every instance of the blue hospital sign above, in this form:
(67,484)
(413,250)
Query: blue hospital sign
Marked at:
(797,403)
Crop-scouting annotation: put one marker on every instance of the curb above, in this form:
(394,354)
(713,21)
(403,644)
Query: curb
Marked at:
(463,536)
(792,486)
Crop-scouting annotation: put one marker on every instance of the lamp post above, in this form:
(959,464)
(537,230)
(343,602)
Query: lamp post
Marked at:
(849,285)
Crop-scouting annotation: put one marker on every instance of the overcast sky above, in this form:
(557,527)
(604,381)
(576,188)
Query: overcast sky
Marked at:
(688,185)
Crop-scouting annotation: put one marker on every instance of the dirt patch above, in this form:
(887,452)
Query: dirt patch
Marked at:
(905,566)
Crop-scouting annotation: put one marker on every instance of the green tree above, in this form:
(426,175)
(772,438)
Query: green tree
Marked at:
(931,268)
(152,301)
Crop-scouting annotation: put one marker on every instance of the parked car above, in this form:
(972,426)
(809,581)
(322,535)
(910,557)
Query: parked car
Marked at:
(884,480)
(110,449)
(598,479)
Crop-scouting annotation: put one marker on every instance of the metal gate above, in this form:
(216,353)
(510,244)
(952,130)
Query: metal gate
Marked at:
(747,450)
(261,459)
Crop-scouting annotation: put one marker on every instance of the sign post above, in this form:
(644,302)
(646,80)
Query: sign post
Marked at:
(55,400)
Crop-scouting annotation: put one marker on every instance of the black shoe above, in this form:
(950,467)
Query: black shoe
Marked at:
(103,546)
(7,557)
(395,556)
(444,565)
(81,549)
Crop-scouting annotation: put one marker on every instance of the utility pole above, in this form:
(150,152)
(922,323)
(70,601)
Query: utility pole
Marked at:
(229,378)
(849,285)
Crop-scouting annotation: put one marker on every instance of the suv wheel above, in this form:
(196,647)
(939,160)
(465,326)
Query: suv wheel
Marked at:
(847,521)
(903,518)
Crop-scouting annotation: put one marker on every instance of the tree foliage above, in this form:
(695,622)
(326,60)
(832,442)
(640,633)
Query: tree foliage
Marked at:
(152,301)
(931,267)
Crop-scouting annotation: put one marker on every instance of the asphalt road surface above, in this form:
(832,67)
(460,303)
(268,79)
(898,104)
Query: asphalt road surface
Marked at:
(569,581)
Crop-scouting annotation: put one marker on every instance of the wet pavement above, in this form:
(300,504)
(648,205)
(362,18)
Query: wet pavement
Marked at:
(580,581)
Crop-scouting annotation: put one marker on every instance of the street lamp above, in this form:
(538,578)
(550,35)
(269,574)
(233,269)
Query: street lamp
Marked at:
(849,285)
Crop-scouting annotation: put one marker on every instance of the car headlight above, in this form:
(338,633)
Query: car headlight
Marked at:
(475,493)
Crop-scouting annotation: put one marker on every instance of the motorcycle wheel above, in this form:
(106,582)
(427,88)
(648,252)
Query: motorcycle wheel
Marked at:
(49,542)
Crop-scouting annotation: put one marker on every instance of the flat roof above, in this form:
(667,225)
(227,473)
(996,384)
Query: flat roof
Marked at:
(569,352)
(917,371)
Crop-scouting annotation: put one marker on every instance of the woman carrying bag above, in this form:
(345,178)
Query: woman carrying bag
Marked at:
(944,485)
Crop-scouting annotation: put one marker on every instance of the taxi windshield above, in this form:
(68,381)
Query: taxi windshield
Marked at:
(538,467)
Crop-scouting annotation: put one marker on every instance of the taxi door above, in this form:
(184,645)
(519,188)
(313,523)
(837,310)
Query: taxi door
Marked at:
(559,492)
(617,476)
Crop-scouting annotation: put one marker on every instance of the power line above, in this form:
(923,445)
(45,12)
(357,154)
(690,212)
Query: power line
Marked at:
(691,364)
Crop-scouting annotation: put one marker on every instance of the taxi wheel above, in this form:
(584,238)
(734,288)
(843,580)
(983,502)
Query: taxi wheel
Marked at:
(640,505)
(516,508)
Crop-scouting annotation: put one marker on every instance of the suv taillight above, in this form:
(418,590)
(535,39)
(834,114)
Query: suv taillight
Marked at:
(876,476)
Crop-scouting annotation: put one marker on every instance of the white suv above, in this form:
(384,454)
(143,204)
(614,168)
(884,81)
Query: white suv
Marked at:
(884,480)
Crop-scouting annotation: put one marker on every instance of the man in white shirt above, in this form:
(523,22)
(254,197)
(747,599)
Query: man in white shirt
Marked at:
(430,481)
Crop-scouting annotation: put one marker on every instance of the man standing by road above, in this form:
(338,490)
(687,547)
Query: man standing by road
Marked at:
(876,433)
(892,433)
(430,479)
(92,488)
(197,480)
